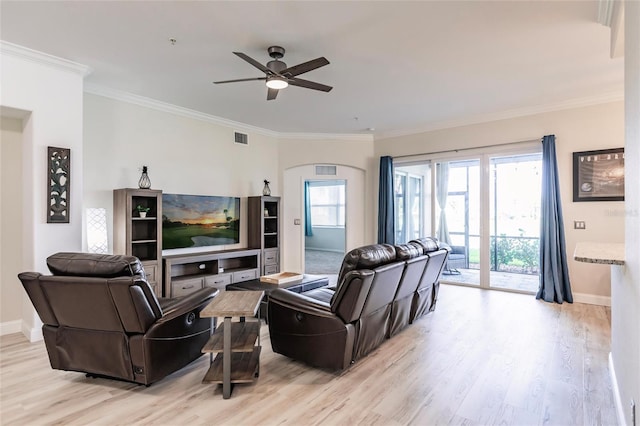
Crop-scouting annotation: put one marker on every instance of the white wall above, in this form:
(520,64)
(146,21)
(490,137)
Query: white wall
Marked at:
(49,91)
(625,297)
(326,238)
(580,129)
(184,155)
(10,225)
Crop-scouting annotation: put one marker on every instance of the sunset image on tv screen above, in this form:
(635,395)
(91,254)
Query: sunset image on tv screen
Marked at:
(199,220)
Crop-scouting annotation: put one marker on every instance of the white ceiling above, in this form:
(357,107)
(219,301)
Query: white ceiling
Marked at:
(398,67)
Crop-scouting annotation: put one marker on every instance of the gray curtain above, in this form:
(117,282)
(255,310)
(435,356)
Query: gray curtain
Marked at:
(308,228)
(554,273)
(442,189)
(386,216)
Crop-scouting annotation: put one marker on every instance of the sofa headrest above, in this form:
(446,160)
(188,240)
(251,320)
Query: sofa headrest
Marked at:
(94,265)
(428,244)
(367,257)
(407,251)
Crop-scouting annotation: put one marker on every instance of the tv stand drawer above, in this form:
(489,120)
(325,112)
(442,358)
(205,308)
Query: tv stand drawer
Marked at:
(249,274)
(182,287)
(219,281)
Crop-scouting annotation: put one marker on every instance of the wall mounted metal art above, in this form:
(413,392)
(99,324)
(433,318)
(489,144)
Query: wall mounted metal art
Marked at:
(59,176)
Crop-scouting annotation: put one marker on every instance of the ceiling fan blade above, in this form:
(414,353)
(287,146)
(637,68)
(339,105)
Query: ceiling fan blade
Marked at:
(309,84)
(271,93)
(240,79)
(305,67)
(254,63)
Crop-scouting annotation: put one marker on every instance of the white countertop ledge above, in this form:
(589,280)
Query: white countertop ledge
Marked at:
(603,253)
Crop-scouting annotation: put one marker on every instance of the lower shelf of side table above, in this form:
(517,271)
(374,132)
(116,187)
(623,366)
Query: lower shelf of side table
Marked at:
(243,337)
(244,367)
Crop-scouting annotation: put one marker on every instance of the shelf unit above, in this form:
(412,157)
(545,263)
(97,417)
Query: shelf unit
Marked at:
(139,236)
(236,344)
(263,230)
(245,355)
(186,273)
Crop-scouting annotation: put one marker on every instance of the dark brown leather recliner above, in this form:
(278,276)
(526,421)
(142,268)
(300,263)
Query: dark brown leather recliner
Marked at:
(101,317)
(415,264)
(332,329)
(381,289)
(426,294)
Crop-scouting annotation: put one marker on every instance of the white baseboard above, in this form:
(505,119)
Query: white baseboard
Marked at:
(616,393)
(591,299)
(324,249)
(10,327)
(19,326)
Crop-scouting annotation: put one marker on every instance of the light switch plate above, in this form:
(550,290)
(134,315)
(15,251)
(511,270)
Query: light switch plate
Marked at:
(296,221)
(579,224)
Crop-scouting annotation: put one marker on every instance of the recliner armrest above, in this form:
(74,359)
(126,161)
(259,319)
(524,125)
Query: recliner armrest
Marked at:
(182,317)
(172,308)
(300,302)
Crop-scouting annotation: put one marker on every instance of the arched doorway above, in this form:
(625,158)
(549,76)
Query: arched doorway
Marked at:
(294,208)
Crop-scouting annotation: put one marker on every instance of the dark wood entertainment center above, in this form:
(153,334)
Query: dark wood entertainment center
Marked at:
(186,273)
(180,274)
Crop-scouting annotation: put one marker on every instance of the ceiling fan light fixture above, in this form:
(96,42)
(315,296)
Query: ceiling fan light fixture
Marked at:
(277,82)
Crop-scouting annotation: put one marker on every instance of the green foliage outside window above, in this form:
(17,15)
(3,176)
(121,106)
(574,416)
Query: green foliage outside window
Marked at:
(515,254)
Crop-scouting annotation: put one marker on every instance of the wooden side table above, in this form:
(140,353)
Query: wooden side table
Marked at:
(238,356)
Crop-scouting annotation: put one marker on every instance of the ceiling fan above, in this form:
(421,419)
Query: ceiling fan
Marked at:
(278,76)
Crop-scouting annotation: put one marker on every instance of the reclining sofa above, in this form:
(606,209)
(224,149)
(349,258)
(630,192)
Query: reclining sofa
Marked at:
(381,289)
(101,317)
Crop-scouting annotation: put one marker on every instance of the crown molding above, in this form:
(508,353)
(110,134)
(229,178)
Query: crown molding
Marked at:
(508,114)
(119,95)
(42,58)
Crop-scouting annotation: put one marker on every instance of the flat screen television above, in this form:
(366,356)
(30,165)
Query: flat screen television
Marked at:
(199,221)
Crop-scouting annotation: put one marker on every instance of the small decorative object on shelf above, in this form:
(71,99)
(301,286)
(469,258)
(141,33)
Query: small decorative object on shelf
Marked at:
(144,182)
(266,212)
(266,191)
(142,211)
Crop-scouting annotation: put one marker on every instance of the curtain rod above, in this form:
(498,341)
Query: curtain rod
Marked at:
(467,149)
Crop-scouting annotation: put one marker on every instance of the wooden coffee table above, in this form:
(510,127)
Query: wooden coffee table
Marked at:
(306,283)
(238,355)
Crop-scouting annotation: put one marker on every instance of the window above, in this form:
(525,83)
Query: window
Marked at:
(408,206)
(327,199)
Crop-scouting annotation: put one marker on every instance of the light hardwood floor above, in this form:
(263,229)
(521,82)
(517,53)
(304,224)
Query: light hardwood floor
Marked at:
(483,357)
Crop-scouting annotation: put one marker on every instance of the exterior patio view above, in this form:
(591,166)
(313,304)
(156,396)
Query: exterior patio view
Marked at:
(446,196)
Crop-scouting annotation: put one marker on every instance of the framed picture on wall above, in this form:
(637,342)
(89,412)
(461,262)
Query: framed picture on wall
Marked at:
(598,175)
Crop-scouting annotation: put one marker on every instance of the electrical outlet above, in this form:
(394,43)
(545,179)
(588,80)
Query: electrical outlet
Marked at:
(579,224)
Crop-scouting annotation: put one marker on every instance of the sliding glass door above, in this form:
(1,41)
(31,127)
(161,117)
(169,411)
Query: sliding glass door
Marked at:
(412,188)
(514,246)
(486,208)
(458,218)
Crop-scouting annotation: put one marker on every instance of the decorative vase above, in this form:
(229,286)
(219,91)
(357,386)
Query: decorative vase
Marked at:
(144,182)
(266,212)
(266,191)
